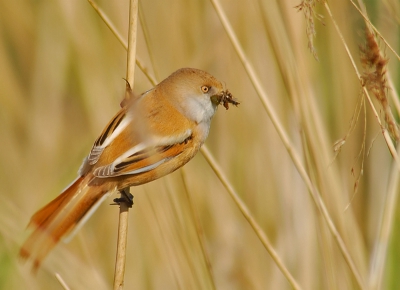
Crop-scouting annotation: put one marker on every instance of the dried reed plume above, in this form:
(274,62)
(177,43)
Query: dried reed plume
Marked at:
(374,79)
(308,6)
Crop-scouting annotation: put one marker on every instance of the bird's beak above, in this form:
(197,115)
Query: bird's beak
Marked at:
(216,99)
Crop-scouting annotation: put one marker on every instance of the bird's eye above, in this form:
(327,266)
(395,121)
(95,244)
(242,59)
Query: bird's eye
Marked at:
(205,89)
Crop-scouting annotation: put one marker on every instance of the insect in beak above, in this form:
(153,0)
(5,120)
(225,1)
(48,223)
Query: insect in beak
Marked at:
(225,98)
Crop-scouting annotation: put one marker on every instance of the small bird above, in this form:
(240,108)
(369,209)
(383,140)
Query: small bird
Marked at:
(151,136)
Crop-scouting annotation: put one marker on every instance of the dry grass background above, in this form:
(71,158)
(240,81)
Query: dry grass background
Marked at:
(61,75)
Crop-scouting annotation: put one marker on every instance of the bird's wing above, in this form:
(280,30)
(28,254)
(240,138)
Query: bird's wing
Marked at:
(144,157)
(140,138)
(115,127)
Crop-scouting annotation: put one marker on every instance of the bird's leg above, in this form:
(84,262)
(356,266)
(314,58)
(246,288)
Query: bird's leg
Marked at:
(126,196)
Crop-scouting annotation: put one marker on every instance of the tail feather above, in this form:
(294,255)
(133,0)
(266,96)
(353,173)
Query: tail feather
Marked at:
(58,218)
(45,213)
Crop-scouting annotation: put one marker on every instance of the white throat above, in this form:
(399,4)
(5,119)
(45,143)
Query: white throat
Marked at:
(199,109)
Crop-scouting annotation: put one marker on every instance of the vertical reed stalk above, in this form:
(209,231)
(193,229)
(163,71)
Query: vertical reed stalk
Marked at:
(124,203)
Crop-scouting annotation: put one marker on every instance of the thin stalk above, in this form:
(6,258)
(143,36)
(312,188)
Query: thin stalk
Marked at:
(121,40)
(199,231)
(124,204)
(386,226)
(249,217)
(121,245)
(62,282)
(132,33)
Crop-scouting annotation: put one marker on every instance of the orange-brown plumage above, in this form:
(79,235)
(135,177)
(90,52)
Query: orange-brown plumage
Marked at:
(151,136)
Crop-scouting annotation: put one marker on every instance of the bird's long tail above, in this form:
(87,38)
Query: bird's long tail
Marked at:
(58,218)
